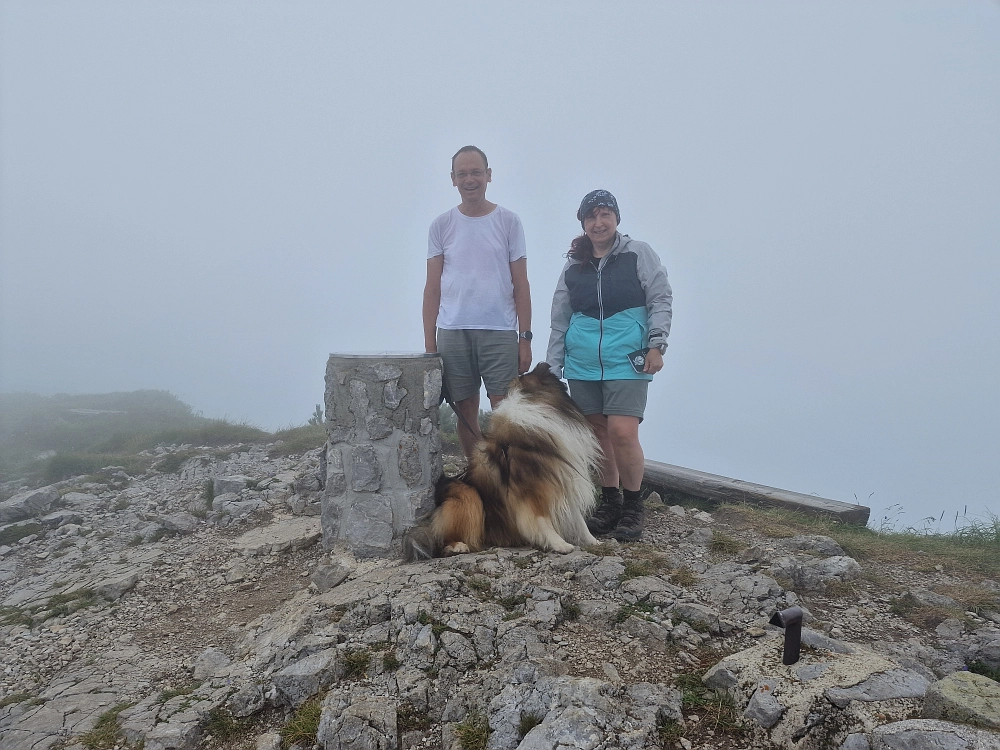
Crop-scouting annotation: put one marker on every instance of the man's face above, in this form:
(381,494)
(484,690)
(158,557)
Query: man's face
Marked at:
(470,176)
(600,225)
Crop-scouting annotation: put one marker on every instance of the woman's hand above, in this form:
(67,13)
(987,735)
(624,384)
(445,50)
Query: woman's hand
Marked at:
(654,362)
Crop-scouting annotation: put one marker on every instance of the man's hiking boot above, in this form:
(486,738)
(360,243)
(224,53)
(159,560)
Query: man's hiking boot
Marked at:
(608,513)
(629,527)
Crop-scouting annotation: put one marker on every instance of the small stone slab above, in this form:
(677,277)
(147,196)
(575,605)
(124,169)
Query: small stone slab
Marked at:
(896,683)
(300,681)
(964,697)
(233,483)
(287,534)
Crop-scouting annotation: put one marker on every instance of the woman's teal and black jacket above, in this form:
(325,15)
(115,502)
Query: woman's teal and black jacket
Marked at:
(606,308)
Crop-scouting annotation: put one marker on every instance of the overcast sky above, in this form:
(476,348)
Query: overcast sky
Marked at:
(210,197)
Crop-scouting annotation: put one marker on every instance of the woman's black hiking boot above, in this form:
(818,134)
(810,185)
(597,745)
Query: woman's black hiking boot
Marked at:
(608,513)
(629,527)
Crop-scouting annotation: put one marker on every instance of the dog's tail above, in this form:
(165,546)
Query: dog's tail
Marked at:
(421,543)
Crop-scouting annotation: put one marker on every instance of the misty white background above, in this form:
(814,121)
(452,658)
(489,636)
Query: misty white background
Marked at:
(208,198)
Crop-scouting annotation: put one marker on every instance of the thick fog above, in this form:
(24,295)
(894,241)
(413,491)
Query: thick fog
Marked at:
(209,198)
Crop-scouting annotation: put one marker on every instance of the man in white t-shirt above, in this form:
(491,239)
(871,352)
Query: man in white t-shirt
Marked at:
(477,304)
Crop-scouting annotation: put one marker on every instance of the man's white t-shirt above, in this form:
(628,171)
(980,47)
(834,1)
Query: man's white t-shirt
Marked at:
(476,287)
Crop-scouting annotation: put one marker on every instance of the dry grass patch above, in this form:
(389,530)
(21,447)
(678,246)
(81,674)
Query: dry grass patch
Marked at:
(106,732)
(474,732)
(973,598)
(301,729)
(683,577)
(716,709)
(922,615)
(602,550)
(974,550)
(725,544)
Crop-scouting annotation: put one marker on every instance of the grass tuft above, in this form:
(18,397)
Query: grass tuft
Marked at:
(105,734)
(528,722)
(390,662)
(726,544)
(683,576)
(356,663)
(474,732)
(208,493)
(985,670)
(715,708)
(635,569)
(571,611)
(301,729)
(13,698)
(668,731)
(639,609)
(411,719)
(223,726)
(173,692)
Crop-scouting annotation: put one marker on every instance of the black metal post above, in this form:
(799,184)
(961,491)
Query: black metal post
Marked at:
(791,620)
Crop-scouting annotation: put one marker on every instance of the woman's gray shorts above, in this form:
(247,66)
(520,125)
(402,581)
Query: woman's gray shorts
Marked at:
(469,354)
(625,398)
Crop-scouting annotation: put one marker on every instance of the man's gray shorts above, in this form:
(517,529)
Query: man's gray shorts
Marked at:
(471,354)
(625,398)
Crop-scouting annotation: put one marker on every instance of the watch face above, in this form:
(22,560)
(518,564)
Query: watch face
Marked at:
(526,335)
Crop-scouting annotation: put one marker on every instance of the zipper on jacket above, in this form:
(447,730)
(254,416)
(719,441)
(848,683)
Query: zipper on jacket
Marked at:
(600,312)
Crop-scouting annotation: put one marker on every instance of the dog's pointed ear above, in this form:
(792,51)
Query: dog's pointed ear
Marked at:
(542,368)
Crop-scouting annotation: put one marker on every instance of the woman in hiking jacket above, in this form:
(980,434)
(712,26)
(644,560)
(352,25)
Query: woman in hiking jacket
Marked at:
(610,320)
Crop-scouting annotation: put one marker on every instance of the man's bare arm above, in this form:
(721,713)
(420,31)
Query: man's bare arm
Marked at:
(522,305)
(432,301)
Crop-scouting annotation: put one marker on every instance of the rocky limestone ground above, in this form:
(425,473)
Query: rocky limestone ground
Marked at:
(136,613)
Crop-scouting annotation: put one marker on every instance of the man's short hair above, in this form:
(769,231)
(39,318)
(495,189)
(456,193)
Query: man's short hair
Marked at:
(467,149)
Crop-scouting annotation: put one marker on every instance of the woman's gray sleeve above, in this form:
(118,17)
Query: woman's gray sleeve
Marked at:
(562,311)
(659,295)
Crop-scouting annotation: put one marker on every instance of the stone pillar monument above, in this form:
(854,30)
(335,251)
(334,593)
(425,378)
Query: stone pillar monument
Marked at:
(383,453)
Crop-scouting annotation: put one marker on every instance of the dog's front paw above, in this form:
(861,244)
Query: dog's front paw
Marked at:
(563,549)
(458,548)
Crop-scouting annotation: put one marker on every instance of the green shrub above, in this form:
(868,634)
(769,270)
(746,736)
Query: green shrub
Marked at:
(985,670)
(208,493)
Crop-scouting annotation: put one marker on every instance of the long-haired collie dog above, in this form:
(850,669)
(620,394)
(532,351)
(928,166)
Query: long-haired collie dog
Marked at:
(528,482)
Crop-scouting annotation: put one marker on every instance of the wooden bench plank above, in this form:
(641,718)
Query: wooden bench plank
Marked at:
(716,488)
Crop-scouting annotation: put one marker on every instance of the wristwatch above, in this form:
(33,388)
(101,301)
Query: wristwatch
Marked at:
(661,347)
(526,335)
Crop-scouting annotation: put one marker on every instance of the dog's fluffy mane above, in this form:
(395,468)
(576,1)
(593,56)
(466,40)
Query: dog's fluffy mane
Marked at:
(528,479)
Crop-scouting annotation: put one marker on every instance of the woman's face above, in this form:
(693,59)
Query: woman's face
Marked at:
(600,225)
